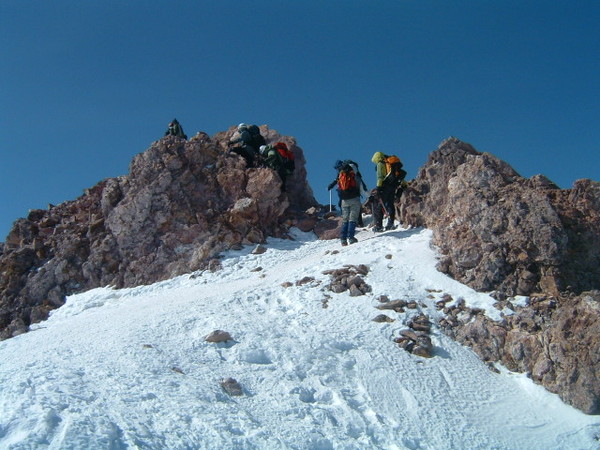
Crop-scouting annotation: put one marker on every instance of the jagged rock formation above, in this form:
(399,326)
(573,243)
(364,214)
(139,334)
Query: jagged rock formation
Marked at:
(500,231)
(181,204)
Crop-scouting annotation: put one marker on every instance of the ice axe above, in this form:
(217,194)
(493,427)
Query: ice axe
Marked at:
(385,211)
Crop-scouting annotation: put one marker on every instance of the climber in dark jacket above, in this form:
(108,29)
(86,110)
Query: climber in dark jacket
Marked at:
(248,143)
(387,190)
(378,211)
(175,129)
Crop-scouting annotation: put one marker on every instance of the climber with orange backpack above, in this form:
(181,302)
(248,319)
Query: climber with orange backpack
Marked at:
(390,176)
(349,192)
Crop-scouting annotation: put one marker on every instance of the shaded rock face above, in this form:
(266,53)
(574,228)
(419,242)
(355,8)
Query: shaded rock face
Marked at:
(499,231)
(181,204)
(554,340)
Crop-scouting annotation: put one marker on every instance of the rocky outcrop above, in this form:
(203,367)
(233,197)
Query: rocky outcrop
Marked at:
(499,231)
(555,340)
(181,204)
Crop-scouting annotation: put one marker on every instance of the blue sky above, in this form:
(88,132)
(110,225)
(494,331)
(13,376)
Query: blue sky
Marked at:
(86,85)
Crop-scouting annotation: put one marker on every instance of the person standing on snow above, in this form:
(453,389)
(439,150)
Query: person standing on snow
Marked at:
(339,164)
(389,178)
(375,205)
(349,192)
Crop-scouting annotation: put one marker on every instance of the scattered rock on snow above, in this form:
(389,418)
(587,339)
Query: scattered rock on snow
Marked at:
(349,278)
(382,318)
(305,280)
(231,386)
(394,305)
(218,336)
(420,323)
(417,340)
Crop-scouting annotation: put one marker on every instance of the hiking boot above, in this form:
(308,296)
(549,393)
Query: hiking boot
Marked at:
(352,240)
(377,229)
(344,242)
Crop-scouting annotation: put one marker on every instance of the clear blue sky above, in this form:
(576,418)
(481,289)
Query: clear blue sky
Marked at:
(86,85)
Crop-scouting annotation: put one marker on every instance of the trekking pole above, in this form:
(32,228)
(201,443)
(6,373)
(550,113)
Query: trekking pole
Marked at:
(330,207)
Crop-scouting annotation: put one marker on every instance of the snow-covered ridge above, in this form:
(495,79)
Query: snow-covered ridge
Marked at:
(131,369)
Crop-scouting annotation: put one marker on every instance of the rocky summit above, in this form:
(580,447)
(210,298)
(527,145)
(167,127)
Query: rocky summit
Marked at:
(182,203)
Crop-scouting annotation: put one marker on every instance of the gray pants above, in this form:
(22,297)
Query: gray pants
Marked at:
(351,209)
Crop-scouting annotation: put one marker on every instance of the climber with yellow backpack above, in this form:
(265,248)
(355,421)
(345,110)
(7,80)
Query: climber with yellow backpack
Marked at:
(390,176)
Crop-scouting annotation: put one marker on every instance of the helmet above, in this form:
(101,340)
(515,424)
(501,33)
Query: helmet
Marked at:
(242,126)
(338,165)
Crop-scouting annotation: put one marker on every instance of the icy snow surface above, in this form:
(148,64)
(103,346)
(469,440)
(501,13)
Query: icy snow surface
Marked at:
(131,369)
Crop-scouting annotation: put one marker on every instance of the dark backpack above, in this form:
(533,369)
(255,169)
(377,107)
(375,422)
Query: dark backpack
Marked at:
(256,139)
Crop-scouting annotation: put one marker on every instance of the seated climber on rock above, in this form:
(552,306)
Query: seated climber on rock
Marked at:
(175,129)
(279,158)
(248,143)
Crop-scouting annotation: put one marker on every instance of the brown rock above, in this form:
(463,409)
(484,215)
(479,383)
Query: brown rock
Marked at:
(382,318)
(218,336)
(231,386)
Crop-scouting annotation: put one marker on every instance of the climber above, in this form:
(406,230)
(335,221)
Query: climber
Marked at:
(175,129)
(378,211)
(248,143)
(359,180)
(349,193)
(279,158)
(390,176)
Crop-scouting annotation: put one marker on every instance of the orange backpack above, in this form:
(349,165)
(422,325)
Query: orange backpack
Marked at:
(395,172)
(347,179)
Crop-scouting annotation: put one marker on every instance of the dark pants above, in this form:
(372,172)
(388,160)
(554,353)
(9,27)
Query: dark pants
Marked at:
(247,152)
(388,196)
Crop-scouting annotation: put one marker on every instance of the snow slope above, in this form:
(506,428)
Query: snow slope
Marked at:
(131,369)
